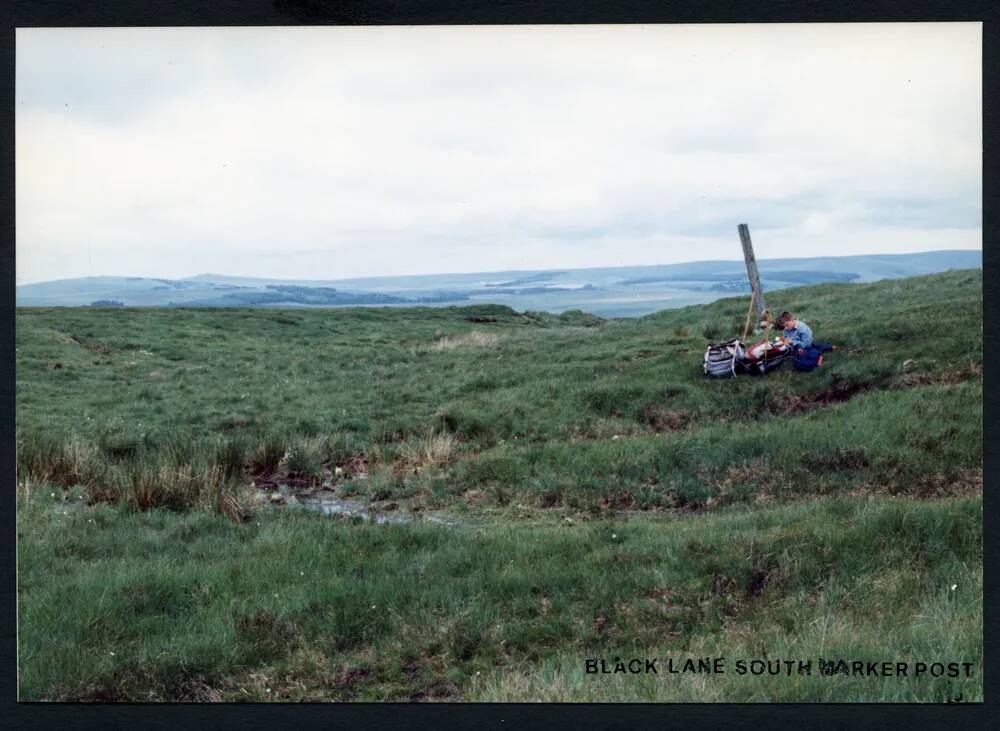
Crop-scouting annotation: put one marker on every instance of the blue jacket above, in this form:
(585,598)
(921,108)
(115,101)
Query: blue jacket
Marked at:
(800,335)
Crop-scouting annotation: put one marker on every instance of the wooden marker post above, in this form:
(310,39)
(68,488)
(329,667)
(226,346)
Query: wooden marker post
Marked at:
(752,274)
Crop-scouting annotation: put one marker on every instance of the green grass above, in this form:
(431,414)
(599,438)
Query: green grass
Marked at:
(153,606)
(850,495)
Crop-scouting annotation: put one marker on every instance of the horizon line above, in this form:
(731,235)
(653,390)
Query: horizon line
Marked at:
(495,271)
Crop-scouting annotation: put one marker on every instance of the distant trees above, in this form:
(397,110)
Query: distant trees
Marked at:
(107,303)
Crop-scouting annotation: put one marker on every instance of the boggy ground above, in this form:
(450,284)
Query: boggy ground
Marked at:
(794,514)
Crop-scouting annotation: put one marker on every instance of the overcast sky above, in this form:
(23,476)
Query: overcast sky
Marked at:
(342,152)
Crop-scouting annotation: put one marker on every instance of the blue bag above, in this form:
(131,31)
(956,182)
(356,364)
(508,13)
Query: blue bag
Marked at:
(811,358)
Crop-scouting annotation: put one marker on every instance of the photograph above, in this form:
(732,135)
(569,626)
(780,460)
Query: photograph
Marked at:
(466,364)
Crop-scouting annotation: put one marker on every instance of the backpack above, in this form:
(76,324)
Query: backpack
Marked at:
(724,360)
(765,356)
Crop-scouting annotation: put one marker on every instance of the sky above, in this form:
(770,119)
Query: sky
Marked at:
(336,152)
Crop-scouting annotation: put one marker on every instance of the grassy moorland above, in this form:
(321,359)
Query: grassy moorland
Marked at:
(608,501)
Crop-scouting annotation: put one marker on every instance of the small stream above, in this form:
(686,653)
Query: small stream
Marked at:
(327,503)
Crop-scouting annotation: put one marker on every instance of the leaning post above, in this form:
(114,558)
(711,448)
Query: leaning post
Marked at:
(752,274)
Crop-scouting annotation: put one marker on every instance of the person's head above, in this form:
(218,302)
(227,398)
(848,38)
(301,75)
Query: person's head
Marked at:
(786,320)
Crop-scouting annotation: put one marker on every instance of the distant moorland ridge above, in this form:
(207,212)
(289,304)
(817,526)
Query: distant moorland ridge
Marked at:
(608,291)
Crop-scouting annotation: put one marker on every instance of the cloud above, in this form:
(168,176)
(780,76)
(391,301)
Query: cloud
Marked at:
(366,151)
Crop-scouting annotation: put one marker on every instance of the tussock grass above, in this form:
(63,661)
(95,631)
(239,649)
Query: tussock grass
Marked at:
(173,486)
(174,477)
(304,457)
(435,449)
(266,455)
(44,458)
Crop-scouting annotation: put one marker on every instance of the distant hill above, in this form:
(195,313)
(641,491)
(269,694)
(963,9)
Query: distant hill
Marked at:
(607,291)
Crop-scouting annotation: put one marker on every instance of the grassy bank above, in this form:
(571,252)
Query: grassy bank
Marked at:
(118,605)
(609,500)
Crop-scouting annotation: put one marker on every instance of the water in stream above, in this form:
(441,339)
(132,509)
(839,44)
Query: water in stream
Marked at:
(328,503)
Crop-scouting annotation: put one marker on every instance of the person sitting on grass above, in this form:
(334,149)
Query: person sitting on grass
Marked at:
(808,355)
(795,331)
